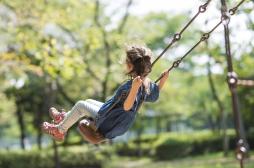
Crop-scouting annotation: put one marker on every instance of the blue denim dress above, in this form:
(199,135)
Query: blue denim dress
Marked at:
(112,120)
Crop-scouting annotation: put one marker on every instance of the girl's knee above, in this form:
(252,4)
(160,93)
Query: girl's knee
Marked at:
(81,106)
(80,103)
(89,100)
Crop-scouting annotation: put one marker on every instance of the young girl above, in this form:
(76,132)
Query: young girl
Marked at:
(115,116)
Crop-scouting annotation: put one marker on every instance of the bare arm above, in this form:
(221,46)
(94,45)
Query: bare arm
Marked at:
(128,103)
(163,79)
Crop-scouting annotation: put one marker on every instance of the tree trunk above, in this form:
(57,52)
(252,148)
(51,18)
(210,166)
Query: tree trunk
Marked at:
(211,123)
(21,127)
(50,94)
(158,125)
(225,137)
(139,133)
(222,116)
(56,155)
(48,101)
(215,96)
(168,127)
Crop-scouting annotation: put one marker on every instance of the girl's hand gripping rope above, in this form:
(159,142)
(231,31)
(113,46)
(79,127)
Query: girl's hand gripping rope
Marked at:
(163,79)
(136,83)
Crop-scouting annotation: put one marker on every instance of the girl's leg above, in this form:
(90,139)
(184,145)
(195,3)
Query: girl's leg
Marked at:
(95,102)
(79,110)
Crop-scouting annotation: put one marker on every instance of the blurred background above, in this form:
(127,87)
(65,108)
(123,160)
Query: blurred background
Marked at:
(56,52)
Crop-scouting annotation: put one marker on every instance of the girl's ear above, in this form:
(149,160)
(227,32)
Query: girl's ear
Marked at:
(130,66)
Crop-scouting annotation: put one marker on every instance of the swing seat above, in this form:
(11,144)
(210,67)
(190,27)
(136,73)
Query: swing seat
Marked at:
(88,131)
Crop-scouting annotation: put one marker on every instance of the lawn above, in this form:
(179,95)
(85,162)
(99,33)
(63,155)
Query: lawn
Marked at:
(205,161)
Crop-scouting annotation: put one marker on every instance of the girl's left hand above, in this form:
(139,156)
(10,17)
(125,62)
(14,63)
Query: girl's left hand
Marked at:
(137,82)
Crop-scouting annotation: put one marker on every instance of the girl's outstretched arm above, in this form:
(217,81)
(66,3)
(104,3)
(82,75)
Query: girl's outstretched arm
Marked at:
(128,103)
(163,79)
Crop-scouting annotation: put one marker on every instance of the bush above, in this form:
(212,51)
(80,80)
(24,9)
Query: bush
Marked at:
(74,157)
(174,145)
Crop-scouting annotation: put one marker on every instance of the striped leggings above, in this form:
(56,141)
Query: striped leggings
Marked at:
(87,108)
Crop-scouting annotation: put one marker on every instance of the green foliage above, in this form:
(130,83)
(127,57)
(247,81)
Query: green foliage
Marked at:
(69,158)
(176,145)
(210,160)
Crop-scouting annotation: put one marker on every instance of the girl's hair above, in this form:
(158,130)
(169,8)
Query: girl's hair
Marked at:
(140,58)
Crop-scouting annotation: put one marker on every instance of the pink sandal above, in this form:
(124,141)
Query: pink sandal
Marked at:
(56,115)
(53,131)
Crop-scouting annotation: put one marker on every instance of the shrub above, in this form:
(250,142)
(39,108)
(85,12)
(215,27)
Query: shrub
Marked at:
(71,157)
(174,145)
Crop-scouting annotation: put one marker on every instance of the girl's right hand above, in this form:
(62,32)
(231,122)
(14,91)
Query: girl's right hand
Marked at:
(137,82)
(164,77)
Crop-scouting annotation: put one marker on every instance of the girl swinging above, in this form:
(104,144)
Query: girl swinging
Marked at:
(115,116)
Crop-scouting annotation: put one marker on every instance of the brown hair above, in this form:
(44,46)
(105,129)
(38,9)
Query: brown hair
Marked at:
(140,58)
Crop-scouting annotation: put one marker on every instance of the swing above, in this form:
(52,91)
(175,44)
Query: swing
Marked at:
(89,131)
(87,126)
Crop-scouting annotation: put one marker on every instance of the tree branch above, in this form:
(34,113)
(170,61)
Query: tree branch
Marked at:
(62,92)
(125,18)
(96,13)
(106,48)
(88,68)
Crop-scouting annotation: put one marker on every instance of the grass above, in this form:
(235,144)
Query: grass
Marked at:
(215,160)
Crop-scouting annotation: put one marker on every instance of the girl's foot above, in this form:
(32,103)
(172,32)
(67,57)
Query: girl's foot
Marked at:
(56,115)
(53,131)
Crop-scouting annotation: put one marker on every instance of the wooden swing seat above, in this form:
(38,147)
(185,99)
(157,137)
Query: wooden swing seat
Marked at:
(89,132)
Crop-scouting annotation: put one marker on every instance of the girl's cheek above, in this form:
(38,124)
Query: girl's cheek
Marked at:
(126,67)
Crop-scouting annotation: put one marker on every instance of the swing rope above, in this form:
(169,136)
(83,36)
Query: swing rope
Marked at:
(224,20)
(178,36)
